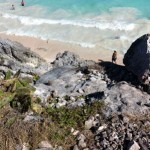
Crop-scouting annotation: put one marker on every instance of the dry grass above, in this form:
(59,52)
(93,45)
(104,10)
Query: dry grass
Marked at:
(55,127)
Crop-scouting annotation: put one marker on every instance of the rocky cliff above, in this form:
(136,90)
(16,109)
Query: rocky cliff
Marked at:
(74,104)
(106,81)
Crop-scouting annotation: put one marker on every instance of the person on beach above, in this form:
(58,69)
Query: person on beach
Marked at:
(114,57)
(22,3)
(12,7)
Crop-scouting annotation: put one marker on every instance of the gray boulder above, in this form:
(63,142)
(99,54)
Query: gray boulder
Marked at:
(14,56)
(126,99)
(69,58)
(137,58)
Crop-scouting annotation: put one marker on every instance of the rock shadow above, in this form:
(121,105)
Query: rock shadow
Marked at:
(118,73)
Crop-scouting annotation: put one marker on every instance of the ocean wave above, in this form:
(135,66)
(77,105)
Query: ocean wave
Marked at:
(99,24)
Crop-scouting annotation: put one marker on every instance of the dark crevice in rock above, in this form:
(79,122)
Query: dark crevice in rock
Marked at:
(96,95)
(13,54)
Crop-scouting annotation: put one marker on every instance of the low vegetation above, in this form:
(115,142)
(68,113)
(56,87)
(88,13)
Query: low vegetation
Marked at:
(55,124)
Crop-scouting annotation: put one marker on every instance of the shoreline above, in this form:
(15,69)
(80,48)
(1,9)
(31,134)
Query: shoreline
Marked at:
(48,49)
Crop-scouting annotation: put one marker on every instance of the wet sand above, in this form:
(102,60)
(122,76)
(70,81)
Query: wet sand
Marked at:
(49,49)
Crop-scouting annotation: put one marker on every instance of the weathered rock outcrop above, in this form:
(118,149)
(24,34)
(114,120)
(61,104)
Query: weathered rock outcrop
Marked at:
(69,80)
(137,58)
(105,83)
(14,56)
(126,99)
(69,58)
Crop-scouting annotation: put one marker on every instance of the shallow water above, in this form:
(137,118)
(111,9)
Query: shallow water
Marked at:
(110,24)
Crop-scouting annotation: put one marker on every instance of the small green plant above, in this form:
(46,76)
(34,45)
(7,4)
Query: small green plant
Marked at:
(5,98)
(8,75)
(25,81)
(35,77)
(38,100)
(74,117)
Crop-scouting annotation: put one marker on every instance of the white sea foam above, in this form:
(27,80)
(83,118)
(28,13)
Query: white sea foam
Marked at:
(107,30)
(82,44)
(20,33)
(99,24)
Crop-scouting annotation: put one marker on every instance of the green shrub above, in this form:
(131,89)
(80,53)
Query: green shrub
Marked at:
(22,100)
(8,75)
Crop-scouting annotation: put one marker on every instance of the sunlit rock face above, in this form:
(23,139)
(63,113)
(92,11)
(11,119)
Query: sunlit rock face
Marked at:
(14,56)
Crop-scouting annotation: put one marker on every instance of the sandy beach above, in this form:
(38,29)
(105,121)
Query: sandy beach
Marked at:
(48,49)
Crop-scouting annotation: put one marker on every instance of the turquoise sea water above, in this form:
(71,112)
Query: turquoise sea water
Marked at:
(78,7)
(111,24)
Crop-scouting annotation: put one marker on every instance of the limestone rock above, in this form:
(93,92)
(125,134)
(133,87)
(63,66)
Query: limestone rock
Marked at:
(52,75)
(102,127)
(43,92)
(29,118)
(81,137)
(137,58)
(18,147)
(127,99)
(45,144)
(15,56)
(24,146)
(133,146)
(71,59)
(82,144)
(75,147)
(81,140)
(89,123)
(75,133)
(68,80)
